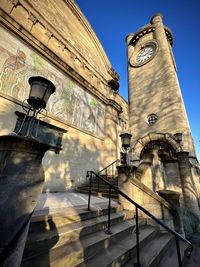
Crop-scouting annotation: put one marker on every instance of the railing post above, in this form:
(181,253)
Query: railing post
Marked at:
(90,187)
(98,185)
(112,175)
(109,207)
(137,206)
(137,239)
(178,252)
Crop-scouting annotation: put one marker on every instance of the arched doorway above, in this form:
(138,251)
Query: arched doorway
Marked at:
(162,161)
(158,168)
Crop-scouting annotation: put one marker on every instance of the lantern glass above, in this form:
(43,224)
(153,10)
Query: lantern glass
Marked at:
(178,137)
(40,91)
(126,140)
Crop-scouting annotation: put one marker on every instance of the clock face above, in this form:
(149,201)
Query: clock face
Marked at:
(142,54)
(145,53)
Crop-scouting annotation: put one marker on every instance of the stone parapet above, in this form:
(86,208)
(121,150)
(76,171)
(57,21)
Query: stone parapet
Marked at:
(142,195)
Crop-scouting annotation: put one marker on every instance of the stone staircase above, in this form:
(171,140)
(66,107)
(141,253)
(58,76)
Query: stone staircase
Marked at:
(101,189)
(75,237)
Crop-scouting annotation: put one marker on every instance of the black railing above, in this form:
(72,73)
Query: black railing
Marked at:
(109,172)
(177,236)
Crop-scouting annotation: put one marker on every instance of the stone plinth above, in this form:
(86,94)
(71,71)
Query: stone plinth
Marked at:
(172,197)
(21,182)
(187,182)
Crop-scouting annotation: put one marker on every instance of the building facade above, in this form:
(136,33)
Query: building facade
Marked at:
(54,40)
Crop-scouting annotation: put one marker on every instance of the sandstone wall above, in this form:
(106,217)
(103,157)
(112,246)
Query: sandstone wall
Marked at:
(54,40)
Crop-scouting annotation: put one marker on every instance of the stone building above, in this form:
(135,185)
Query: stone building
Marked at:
(53,39)
(162,141)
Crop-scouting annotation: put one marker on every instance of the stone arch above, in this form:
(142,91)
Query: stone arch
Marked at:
(142,142)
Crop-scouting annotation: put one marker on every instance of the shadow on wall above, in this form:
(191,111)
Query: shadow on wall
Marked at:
(63,172)
(7,116)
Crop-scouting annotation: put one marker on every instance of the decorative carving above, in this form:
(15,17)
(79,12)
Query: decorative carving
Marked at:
(113,73)
(61,46)
(14,2)
(52,19)
(98,81)
(147,29)
(83,65)
(32,18)
(48,33)
(72,55)
(91,75)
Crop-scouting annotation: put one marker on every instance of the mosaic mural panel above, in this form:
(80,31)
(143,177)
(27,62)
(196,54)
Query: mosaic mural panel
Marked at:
(70,102)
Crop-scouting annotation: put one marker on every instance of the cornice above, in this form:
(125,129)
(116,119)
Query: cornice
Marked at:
(90,79)
(69,43)
(148,29)
(48,54)
(77,12)
(52,30)
(27,37)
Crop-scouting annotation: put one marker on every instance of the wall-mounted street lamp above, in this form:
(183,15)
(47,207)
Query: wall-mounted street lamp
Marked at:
(40,91)
(114,84)
(178,137)
(126,144)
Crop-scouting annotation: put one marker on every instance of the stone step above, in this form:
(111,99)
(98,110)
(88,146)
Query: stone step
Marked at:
(95,188)
(153,251)
(95,185)
(84,248)
(109,175)
(108,178)
(60,218)
(171,258)
(55,237)
(101,185)
(194,259)
(96,193)
(119,252)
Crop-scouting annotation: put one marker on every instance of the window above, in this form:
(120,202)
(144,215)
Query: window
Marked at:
(152,119)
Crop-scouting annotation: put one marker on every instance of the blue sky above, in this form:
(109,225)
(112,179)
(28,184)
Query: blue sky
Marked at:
(112,20)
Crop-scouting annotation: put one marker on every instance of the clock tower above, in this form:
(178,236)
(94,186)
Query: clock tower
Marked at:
(158,120)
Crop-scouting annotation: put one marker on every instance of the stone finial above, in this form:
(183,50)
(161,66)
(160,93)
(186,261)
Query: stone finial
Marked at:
(156,18)
(129,37)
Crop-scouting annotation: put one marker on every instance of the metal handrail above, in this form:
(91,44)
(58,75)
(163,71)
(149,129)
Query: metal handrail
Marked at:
(117,160)
(177,235)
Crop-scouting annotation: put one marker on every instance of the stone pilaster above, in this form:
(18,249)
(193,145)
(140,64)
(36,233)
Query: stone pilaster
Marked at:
(111,136)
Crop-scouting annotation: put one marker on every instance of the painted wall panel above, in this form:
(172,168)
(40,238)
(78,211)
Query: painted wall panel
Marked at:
(70,102)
